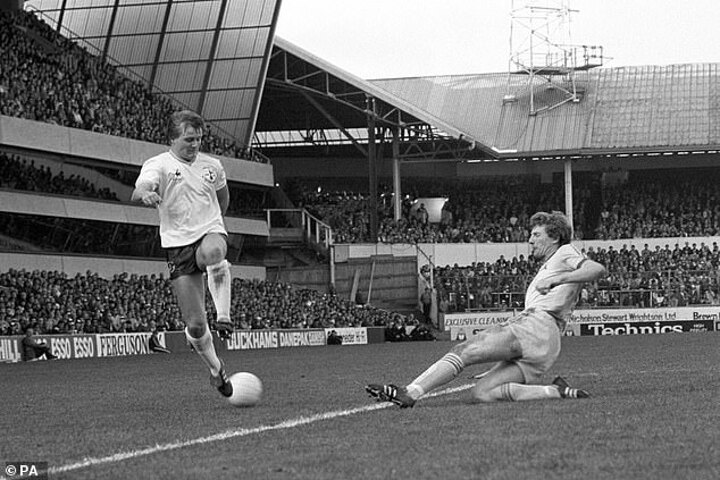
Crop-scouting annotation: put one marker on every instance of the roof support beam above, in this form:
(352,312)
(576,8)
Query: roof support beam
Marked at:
(161,42)
(61,16)
(372,172)
(397,198)
(211,56)
(257,99)
(439,149)
(334,121)
(111,27)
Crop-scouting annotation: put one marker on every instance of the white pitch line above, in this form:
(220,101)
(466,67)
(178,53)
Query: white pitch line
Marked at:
(243,432)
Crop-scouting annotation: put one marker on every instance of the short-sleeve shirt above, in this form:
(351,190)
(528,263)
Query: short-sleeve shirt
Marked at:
(189,209)
(561,299)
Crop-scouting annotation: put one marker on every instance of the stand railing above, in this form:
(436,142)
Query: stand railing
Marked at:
(314,231)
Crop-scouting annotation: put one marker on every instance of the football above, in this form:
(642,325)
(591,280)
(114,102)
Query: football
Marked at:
(247,389)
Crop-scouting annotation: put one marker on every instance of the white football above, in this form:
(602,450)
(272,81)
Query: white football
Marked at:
(247,389)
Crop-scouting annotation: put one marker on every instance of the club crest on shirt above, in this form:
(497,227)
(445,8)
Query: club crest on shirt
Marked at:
(209,175)
(176,176)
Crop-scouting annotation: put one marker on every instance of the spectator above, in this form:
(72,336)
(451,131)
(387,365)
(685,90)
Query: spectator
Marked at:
(34,349)
(154,341)
(396,332)
(421,333)
(426,300)
(334,339)
(422,215)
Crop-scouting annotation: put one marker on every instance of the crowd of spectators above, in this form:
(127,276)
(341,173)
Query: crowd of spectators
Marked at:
(659,204)
(19,173)
(647,204)
(81,236)
(477,211)
(264,304)
(52,302)
(640,278)
(48,78)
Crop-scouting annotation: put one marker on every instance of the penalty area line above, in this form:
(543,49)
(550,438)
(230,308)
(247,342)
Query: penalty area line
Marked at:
(242,432)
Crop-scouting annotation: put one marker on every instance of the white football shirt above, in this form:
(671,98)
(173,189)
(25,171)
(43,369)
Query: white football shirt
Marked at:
(561,299)
(189,209)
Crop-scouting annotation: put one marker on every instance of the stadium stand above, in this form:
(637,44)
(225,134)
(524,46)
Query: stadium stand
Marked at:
(53,302)
(650,204)
(641,278)
(478,211)
(19,173)
(658,204)
(48,78)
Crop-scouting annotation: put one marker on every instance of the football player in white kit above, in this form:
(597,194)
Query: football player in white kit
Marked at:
(526,346)
(191,194)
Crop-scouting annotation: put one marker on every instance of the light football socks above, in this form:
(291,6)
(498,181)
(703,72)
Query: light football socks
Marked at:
(206,349)
(439,373)
(220,284)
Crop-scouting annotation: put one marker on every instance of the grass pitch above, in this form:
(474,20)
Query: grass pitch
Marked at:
(653,415)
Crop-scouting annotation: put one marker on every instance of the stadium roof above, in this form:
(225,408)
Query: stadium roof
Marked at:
(208,55)
(212,55)
(220,58)
(620,110)
(304,93)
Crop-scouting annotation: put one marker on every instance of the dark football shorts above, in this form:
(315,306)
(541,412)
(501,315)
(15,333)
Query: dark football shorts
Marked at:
(181,260)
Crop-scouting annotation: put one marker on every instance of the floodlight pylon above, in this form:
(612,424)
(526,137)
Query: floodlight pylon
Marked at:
(541,49)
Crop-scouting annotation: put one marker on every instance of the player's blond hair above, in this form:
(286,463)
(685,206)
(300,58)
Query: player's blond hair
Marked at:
(556,225)
(181,119)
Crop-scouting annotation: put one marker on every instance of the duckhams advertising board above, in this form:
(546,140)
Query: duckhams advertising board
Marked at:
(264,339)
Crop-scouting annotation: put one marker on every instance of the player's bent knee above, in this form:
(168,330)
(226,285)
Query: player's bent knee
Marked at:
(465,351)
(210,256)
(196,330)
(462,347)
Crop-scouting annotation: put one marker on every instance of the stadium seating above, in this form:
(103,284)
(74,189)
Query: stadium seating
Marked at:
(47,78)
(53,302)
(477,211)
(641,278)
(651,204)
(20,173)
